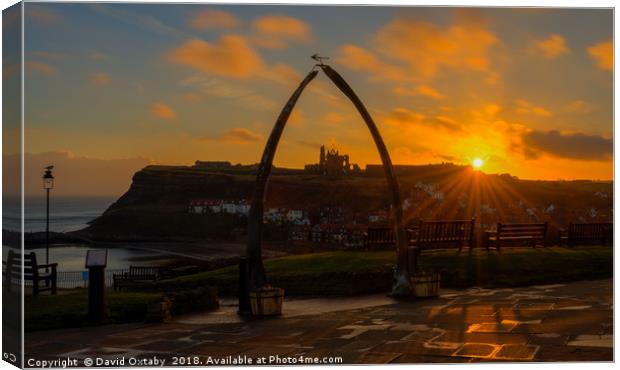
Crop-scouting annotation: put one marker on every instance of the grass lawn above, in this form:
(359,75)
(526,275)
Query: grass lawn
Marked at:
(69,309)
(347,272)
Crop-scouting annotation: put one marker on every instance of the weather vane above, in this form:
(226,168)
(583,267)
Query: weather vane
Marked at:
(319,58)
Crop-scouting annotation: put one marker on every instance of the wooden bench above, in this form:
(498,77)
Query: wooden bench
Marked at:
(444,233)
(378,237)
(526,232)
(135,274)
(588,233)
(31,272)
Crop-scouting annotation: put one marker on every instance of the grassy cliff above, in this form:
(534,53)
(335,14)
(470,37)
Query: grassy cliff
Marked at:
(155,207)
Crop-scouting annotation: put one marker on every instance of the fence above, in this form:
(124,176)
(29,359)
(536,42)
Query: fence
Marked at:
(76,279)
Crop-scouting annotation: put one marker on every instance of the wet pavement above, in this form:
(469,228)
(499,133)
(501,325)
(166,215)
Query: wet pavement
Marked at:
(559,322)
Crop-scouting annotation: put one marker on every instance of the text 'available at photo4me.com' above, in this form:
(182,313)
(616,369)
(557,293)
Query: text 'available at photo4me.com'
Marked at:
(154,361)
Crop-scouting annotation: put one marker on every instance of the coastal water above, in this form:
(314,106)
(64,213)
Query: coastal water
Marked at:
(70,214)
(72,257)
(66,213)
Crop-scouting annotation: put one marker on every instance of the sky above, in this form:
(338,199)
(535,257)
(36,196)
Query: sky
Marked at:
(523,91)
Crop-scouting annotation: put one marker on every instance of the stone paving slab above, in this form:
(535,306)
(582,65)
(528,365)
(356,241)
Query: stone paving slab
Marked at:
(556,322)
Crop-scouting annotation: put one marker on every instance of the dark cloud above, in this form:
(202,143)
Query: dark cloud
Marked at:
(574,146)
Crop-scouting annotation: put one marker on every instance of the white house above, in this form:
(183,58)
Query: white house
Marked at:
(243,207)
(294,215)
(229,207)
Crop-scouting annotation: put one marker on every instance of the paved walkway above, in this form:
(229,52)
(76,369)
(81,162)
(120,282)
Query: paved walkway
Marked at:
(560,322)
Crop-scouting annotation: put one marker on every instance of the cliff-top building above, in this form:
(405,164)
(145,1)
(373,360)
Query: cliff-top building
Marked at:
(331,163)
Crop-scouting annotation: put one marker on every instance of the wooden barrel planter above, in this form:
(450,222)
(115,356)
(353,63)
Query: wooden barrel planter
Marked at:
(267,301)
(426,284)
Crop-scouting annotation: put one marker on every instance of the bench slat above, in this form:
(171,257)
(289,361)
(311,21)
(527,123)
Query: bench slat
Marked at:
(534,232)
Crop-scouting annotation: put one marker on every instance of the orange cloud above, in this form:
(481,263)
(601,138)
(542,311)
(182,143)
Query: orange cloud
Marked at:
(237,135)
(163,111)
(333,117)
(231,56)
(282,73)
(552,47)
(100,79)
(492,109)
(400,116)
(214,19)
(42,68)
(603,54)
(423,90)
(276,31)
(297,117)
(426,48)
(525,107)
(360,59)
(404,117)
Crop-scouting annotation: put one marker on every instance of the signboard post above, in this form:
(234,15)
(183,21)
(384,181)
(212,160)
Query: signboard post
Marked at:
(96,261)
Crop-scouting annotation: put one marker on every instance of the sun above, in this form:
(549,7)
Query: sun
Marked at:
(477,163)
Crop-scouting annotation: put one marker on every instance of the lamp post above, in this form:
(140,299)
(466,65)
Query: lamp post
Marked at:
(48,184)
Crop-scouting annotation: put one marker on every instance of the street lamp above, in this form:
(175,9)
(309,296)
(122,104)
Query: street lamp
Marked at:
(48,184)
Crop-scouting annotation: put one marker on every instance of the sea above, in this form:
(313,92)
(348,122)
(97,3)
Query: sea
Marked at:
(69,214)
(66,213)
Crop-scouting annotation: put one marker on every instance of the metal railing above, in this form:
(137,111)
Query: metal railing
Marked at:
(74,279)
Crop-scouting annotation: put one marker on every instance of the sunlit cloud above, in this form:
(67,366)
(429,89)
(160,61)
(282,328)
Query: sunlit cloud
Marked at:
(525,107)
(297,118)
(277,31)
(214,19)
(282,73)
(552,47)
(603,54)
(231,56)
(426,48)
(334,117)
(100,79)
(163,111)
(41,68)
(237,135)
(360,59)
(577,146)
(421,90)
(406,117)
(492,109)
